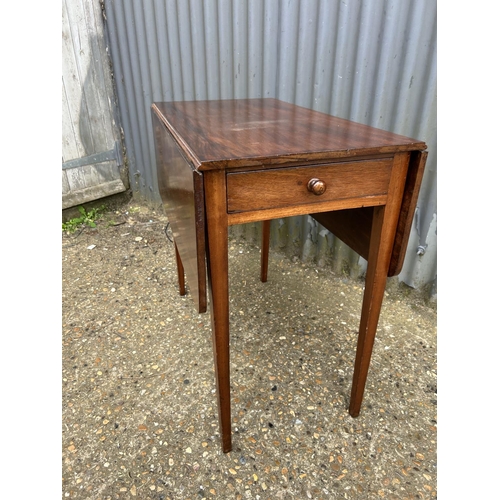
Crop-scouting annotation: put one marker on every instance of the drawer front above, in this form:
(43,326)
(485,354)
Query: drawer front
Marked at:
(284,187)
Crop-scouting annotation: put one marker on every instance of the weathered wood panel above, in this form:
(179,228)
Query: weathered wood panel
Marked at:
(91,138)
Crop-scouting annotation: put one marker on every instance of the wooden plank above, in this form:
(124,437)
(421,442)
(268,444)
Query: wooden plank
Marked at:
(410,197)
(95,132)
(71,148)
(91,193)
(181,190)
(65,183)
(72,88)
(247,132)
(91,182)
(327,206)
(97,84)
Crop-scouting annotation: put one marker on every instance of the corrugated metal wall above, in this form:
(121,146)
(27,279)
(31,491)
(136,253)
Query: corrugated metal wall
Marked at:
(370,61)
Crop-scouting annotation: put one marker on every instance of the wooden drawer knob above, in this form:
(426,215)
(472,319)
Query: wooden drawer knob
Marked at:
(316,186)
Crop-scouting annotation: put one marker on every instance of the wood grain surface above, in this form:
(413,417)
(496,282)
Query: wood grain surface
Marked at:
(181,191)
(245,132)
(286,187)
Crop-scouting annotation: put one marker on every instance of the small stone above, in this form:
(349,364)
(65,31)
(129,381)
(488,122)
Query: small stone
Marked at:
(170,462)
(264,486)
(189,450)
(133,490)
(138,238)
(232,471)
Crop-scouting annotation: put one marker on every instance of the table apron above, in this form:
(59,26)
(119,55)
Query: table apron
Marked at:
(290,211)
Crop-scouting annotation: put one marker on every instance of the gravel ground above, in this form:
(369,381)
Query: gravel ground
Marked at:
(139,416)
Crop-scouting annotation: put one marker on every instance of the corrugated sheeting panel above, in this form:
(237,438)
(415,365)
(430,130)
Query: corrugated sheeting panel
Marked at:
(373,62)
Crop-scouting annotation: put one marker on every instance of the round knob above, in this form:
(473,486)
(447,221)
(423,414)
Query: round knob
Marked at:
(316,186)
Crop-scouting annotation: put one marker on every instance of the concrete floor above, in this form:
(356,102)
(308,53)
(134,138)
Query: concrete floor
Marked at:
(139,410)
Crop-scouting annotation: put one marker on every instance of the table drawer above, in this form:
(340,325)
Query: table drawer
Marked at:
(284,187)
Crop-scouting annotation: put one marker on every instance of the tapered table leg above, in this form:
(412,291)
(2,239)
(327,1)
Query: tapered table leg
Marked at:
(383,230)
(217,266)
(180,271)
(376,277)
(264,250)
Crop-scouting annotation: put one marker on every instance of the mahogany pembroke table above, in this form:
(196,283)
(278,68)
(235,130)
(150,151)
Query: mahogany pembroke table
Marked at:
(228,162)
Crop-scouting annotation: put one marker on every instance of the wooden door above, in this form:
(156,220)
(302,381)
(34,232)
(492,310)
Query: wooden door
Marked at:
(92,159)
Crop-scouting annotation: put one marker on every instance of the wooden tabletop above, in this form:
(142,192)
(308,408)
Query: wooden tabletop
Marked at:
(249,132)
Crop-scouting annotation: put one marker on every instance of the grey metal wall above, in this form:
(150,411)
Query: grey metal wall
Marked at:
(371,61)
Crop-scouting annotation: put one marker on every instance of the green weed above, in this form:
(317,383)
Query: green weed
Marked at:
(87,218)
